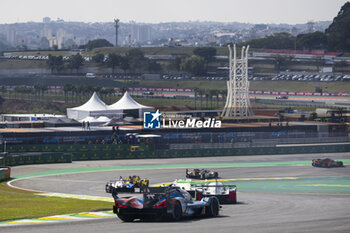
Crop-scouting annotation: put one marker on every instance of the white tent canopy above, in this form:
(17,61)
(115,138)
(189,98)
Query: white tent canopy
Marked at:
(128,103)
(95,107)
(93,104)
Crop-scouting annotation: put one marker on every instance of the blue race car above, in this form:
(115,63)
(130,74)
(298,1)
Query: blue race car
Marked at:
(172,204)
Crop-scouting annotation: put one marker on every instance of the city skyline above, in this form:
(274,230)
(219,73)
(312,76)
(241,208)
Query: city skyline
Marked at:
(155,11)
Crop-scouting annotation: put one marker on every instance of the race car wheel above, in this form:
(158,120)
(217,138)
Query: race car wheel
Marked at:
(177,212)
(212,210)
(123,217)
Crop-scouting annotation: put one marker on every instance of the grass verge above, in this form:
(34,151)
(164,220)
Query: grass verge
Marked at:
(19,204)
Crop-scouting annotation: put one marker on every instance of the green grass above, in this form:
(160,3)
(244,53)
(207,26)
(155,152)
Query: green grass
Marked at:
(255,85)
(19,204)
(332,87)
(201,84)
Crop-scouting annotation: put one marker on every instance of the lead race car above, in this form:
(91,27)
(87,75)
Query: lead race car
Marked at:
(201,174)
(173,204)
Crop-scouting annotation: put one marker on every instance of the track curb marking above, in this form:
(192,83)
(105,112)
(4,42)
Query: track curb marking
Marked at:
(60,218)
(75,196)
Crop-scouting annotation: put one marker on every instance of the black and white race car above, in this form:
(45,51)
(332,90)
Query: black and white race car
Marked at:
(227,194)
(201,174)
(120,186)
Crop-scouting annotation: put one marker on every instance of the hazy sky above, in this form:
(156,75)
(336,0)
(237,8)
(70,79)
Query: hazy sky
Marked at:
(155,11)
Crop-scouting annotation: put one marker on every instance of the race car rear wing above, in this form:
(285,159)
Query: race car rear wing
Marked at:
(215,185)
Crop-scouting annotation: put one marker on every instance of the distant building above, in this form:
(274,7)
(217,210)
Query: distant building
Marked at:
(141,33)
(46,20)
(11,36)
(61,34)
(53,42)
(47,32)
(310,27)
(44,43)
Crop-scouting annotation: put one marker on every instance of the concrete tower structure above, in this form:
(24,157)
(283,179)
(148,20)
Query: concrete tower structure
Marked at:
(237,101)
(116,21)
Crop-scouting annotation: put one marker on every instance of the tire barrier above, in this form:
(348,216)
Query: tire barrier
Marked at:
(5,173)
(36,158)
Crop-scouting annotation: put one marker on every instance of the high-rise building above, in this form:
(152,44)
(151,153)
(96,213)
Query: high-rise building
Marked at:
(141,33)
(61,34)
(46,20)
(11,36)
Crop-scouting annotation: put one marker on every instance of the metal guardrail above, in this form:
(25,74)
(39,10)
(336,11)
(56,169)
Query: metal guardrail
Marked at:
(260,143)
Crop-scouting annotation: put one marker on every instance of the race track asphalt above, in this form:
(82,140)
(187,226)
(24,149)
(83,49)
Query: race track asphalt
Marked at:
(282,207)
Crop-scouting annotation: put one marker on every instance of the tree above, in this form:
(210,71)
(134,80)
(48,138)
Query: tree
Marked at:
(280,61)
(280,40)
(136,59)
(98,58)
(113,60)
(44,43)
(75,61)
(67,88)
(175,64)
(196,90)
(153,66)
(124,63)
(55,63)
(3,47)
(338,33)
(194,65)
(201,92)
(98,43)
(40,89)
(310,41)
(207,53)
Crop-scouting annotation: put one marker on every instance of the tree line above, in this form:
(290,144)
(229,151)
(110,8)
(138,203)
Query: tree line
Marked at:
(334,38)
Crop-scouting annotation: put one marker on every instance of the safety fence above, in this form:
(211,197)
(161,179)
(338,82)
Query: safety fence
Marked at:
(98,148)
(16,159)
(111,152)
(260,143)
